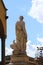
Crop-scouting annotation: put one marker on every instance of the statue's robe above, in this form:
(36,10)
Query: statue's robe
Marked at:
(21,36)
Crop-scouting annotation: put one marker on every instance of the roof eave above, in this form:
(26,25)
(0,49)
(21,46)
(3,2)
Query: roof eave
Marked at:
(4,5)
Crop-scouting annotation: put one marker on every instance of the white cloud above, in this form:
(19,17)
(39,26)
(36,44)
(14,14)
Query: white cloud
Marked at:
(36,10)
(31,49)
(8,51)
(40,40)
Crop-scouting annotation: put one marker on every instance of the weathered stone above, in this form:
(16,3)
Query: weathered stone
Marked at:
(2,30)
(19,56)
(21,37)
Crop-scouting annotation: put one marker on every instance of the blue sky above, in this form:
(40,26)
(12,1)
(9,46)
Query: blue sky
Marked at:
(32,10)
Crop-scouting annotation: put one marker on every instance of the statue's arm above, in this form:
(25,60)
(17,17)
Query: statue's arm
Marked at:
(24,30)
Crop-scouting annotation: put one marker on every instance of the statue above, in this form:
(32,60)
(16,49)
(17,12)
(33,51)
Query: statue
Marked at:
(21,37)
(19,56)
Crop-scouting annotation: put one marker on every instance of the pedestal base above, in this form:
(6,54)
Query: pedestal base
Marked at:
(20,60)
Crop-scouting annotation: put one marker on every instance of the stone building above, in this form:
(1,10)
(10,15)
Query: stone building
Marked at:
(3,31)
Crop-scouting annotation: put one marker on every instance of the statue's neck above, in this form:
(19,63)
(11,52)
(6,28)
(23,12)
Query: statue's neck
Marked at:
(21,20)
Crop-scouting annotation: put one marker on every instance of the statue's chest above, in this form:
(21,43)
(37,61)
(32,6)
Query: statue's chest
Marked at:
(20,26)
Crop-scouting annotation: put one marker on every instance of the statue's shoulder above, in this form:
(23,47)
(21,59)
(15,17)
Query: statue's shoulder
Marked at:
(17,23)
(23,22)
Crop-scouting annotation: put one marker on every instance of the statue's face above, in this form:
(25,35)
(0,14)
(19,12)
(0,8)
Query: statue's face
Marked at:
(21,17)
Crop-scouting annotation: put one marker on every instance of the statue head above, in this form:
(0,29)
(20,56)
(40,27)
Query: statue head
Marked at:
(21,18)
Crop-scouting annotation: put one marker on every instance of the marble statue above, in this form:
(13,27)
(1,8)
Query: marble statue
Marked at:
(21,36)
(19,56)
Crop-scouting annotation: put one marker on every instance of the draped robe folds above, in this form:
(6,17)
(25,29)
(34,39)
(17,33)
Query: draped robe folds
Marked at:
(21,36)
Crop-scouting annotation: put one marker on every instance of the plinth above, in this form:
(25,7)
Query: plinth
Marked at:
(19,59)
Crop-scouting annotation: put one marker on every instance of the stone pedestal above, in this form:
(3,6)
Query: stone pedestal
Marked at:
(18,58)
(21,59)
